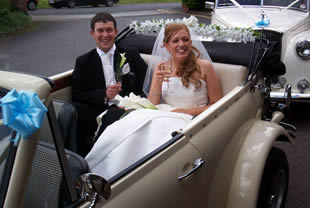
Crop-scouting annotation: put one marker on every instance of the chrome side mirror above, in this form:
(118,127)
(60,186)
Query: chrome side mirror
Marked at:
(93,188)
(209,5)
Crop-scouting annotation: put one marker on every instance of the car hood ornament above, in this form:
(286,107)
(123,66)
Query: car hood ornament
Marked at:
(264,21)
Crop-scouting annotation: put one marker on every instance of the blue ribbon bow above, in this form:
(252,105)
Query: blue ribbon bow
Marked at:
(23,112)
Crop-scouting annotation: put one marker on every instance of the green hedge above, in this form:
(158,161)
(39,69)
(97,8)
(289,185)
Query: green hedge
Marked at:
(194,4)
(11,20)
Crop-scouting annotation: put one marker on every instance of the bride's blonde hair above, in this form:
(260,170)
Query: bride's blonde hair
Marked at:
(190,70)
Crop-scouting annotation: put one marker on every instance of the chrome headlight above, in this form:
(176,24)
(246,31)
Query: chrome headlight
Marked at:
(303,49)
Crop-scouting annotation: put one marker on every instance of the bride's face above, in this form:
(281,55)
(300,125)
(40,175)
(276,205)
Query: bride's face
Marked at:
(179,45)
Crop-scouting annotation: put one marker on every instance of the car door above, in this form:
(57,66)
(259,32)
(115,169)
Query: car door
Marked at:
(155,182)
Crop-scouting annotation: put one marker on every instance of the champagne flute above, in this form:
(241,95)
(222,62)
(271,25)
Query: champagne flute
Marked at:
(167,68)
(118,77)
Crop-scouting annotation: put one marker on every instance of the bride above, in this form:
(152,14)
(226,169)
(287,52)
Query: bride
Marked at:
(184,81)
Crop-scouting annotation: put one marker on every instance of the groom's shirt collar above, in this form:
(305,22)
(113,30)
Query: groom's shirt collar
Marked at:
(111,51)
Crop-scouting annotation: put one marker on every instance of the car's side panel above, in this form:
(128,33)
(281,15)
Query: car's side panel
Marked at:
(154,184)
(250,164)
(218,134)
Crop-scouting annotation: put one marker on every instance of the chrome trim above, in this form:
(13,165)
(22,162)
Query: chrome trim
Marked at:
(303,85)
(294,95)
(303,49)
(196,164)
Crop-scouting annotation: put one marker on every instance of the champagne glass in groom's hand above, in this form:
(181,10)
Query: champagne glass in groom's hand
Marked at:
(118,77)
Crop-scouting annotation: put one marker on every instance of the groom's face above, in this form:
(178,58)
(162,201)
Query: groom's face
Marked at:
(104,34)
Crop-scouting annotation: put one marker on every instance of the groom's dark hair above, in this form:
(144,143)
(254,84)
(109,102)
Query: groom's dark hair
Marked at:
(102,17)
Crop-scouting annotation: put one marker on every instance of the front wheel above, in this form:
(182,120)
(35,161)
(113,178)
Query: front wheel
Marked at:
(31,5)
(109,3)
(274,184)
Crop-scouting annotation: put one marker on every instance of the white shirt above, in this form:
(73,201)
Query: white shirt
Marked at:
(108,75)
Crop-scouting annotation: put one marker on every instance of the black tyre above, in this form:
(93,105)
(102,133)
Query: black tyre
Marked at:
(31,5)
(109,3)
(71,3)
(274,184)
(95,5)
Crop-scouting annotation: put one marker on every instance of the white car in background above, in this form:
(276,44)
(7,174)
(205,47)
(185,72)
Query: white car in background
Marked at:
(285,21)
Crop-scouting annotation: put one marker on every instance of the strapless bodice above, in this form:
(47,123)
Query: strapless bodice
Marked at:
(176,95)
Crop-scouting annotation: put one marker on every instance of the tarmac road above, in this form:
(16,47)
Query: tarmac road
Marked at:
(58,36)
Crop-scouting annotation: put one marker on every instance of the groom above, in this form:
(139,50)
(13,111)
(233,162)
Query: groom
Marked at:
(95,79)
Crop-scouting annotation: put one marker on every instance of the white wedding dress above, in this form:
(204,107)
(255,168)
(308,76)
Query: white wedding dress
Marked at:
(142,131)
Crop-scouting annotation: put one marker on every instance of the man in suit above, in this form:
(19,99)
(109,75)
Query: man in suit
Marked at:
(95,77)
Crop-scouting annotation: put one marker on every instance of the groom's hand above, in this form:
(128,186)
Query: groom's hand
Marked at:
(113,90)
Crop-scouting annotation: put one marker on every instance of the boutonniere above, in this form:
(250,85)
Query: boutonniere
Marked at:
(121,68)
(125,69)
(123,59)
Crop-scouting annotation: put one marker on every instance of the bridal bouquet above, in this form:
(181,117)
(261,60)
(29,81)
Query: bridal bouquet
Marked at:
(134,102)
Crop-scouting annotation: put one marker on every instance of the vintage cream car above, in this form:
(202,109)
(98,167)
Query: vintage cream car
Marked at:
(285,21)
(225,157)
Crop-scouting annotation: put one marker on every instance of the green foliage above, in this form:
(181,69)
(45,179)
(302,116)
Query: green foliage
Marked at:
(12,21)
(4,4)
(194,4)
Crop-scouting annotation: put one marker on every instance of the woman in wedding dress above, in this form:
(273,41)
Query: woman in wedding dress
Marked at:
(185,82)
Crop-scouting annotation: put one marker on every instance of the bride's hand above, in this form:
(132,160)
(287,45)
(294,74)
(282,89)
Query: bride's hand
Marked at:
(161,74)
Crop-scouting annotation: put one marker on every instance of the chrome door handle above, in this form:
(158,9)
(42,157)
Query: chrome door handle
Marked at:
(196,164)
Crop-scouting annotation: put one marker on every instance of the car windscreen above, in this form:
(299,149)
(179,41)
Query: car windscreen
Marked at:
(290,4)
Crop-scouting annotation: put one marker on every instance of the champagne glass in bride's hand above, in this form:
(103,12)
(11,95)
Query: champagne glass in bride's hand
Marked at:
(167,68)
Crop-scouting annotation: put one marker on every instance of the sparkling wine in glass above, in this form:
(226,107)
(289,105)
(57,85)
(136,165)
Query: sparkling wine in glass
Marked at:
(167,68)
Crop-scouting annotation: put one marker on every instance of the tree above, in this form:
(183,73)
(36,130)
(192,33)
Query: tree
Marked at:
(19,5)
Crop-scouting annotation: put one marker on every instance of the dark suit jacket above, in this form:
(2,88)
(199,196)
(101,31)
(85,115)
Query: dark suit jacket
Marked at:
(88,82)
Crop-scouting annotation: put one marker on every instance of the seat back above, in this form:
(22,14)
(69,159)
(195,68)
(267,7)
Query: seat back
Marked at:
(229,75)
(67,118)
(46,186)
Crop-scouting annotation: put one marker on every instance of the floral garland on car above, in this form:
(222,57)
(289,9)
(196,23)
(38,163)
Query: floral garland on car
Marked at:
(203,31)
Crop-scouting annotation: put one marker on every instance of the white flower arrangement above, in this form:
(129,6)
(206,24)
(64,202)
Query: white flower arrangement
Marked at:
(203,31)
(134,102)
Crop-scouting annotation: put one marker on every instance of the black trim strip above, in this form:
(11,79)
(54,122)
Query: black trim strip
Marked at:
(175,136)
(60,149)
(6,177)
